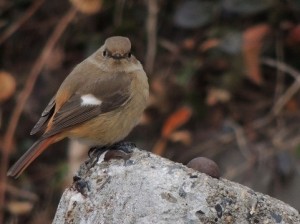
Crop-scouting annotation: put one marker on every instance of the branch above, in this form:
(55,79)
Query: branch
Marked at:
(291,91)
(17,24)
(151,35)
(149,189)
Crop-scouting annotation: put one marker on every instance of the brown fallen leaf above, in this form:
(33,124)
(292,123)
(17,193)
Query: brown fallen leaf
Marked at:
(292,105)
(293,37)
(252,45)
(189,44)
(19,207)
(7,85)
(184,137)
(160,146)
(208,44)
(216,95)
(87,6)
(174,121)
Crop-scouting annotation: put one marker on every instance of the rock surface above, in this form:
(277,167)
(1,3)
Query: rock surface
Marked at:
(149,189)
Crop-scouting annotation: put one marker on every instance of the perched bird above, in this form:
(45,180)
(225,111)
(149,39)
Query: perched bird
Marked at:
(99,102)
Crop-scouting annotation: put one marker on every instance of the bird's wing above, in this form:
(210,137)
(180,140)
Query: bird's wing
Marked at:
(45,116)
(95,98)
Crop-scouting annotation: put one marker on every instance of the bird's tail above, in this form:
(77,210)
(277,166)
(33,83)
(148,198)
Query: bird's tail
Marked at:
(34,151)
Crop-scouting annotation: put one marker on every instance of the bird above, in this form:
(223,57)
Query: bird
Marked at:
(98,103)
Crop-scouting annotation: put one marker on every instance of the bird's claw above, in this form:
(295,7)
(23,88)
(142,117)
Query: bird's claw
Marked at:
(121,150)
(126,147)
(81,185)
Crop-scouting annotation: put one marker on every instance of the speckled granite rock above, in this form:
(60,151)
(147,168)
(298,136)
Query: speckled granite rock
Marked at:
(149,189)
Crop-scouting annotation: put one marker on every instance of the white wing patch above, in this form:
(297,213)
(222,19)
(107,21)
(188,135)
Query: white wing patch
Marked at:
(89,100)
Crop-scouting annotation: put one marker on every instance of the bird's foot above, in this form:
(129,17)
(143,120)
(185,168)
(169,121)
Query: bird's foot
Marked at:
(126,147)
(96,150)
(120,150)
(81,185)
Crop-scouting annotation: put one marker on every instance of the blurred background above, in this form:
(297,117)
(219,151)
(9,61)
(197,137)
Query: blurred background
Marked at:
(224,78)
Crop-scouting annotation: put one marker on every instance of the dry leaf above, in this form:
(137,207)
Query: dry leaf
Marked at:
(159,147)
(292,105)
(211,43)
(184,137)
(252,45)
(177,119)
(174,121)
(216,95)
(294,36)
(7,85)
(189,43)
(87,6)
(19,207)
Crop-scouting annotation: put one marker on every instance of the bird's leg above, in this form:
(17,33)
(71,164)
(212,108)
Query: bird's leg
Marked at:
(98,150)
(126,147)
(119,150)
(91,151)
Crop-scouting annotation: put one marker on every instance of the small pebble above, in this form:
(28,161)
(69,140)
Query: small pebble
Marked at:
(205,165)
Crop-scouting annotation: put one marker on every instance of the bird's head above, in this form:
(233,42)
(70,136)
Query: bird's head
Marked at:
(115,55)
(117,48)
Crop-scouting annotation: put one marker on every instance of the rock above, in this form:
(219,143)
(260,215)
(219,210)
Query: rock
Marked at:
(150,189)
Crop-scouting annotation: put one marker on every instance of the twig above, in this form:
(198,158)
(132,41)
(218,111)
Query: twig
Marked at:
(279,73)
(290,92)
(261,122)
(16,192)
(35,71)
(151,35)
(282,66)
(168,45)
(241,139)
(290,145)
(17,24)
(118,14)
(283,99)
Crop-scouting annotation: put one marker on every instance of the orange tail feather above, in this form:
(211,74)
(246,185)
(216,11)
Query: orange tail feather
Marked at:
(34,151)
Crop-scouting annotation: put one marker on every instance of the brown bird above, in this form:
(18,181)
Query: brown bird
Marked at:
(99,102)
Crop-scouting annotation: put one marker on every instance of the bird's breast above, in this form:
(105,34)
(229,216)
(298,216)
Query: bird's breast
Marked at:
(114,126)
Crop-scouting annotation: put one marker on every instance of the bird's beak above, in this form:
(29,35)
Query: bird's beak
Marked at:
(117,56)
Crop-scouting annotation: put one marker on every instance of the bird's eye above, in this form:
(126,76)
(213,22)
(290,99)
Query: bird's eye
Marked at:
(129,54)
(104,53)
